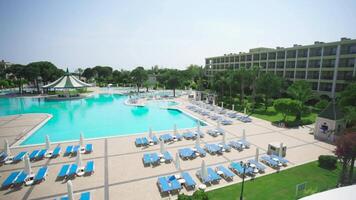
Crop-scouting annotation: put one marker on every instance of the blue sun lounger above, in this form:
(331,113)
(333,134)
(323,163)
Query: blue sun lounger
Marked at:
(3,157)
(144,141)
(244,143)
(19,156)
(178,137)
(205,180)
(188,135)
(88,148)
(163,184)
(226,147)
(146,159)
(56,152)
(155,139)
(89,168)
(75,149)
(85,196)
(269,161)
(33,154)
(189,182)
(201,151)
(20,178)
(138,142)
(226,173)
(283,161)
(64,171)
(236,167)
(41,154)
(154,158)
(41,174)
(186,153)
(212,148)
(10,179)
(68,150)
(236,145)
(213,175)
(258,165)
(166,137)
(167,156)
(175,185)
(72,170)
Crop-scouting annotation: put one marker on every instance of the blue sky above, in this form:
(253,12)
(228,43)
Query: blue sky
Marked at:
(125,34)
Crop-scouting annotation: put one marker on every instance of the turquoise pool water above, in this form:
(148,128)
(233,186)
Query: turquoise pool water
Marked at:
(99,116)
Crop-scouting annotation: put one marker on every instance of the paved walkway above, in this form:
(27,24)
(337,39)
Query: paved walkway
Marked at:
(119,171)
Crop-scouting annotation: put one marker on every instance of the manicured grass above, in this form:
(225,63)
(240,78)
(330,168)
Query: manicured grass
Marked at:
(273,116)
(281,185)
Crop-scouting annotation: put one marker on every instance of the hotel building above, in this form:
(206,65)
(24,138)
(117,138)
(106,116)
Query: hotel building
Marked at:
(327,66)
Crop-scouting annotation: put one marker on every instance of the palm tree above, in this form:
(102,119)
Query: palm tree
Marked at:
(302,92)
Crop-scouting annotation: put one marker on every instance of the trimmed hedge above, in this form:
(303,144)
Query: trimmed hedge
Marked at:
(197,195)
(327,162)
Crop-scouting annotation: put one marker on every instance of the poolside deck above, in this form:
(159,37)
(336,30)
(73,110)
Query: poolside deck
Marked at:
(119,171)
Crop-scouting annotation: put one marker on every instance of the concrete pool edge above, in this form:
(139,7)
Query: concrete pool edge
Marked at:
(26,135)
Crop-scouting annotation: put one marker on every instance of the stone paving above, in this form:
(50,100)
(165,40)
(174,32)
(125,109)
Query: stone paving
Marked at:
(119,171)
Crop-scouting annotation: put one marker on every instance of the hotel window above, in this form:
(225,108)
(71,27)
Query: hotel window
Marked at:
(314,63)
(280,64)
(347,62)
(346,76)
(327,75)
(326,87)
(256,56)
(300,75)
(290,74)
(249,57)
(301,64)
(328,63)
(291,53)
(313,75)
(263,65)
(290,64)
(348,49)
(264,56)
(315,52)
(271,65)
(314,86)
(302,53)
(280,55)
(272,56)
(340,87)
(330,51)
(243,58)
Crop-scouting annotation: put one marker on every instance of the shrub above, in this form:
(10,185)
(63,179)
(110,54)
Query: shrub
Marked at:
(197,195)
(327,162)
(184,197)
(200,195)
(321,105)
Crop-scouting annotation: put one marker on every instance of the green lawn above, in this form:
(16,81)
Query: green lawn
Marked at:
(272,115)
(281,185)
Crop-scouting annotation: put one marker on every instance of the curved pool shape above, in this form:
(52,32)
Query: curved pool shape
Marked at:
(99,116)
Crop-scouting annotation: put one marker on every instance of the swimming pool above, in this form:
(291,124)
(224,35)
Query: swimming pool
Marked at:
(101,115)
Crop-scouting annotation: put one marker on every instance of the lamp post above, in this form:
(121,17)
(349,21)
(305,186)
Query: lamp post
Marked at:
(243,179)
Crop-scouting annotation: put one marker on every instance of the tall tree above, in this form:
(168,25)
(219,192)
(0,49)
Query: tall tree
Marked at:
(173,81)
(346,152)
(268,85)
(253,76)
(18,72)
(139,76)
(286,106)
(32,73)
(302,92)
(347,101)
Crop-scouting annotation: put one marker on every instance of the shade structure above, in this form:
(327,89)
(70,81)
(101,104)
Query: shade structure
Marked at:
(204,170)
(197,142)
(222,105)
(48,143)
(257,153)
(224,139)
(150,133)
(162,147)
(177,162)
(175,129)
(280,152)
(81,140)
(243,134)
(233,107)
(70,190)
(7,147)
(67,81)
(78,160)
(27,168)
